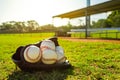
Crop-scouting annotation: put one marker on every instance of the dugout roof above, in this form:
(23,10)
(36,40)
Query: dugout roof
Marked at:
(98,8)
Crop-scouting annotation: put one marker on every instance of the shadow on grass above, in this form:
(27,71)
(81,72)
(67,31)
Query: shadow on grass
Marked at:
(41,75)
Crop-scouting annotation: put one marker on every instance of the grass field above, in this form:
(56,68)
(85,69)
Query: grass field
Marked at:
(90,60)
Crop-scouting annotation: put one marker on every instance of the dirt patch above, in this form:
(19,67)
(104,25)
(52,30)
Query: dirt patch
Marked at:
(90,40)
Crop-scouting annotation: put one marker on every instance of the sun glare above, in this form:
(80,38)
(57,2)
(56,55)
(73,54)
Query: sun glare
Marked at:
(60,22)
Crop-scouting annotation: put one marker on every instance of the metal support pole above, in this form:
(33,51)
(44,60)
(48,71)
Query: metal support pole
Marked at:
(87,34)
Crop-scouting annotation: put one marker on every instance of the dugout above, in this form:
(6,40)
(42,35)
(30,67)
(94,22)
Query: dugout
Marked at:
(90,10)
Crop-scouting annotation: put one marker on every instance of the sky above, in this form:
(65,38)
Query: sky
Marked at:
(43,10)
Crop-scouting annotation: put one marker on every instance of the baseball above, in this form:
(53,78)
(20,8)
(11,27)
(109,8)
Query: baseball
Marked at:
(32,54)
(60,54)
(49,56)
(47,44)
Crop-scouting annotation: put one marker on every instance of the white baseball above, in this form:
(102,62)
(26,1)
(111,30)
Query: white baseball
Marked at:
(49,56)
(32,54)
(47,44)
(60,54)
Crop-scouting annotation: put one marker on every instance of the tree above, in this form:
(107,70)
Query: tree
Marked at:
(101,23)
(32,25)
(19,26)
(114,18)
(47,27)
(6,26)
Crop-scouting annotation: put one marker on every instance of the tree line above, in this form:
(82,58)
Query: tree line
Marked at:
(113,20)
(14,26)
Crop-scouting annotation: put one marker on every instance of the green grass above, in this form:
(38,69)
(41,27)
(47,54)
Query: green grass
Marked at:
(78,35)
(91,60)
